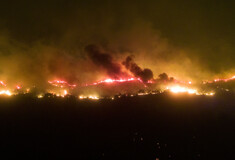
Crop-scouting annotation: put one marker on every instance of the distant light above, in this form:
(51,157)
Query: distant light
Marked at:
(142,94)
(18,87)
(40,96)
(81,97)
(209,94)
(92,97)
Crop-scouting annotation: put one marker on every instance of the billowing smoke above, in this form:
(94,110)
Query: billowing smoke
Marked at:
(105,60)
(33,52)
(145,74)
(163,77)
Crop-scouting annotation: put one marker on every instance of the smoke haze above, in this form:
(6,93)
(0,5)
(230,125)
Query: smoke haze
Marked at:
(43,40)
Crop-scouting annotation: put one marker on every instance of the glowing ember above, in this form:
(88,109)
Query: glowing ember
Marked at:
(18,87)
(93,97)
(89,97)
(82,97)
(61,84)
(142,94)
(150,81)
(61,93)
(40,96)
(5,92)
(209,94)
(2,83)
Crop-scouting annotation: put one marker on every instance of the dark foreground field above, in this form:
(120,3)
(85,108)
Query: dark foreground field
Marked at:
(148,127)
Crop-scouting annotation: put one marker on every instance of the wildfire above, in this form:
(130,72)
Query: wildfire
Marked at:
(109,80)
(64,88)
(209,94)
(40,96)
(61,83)
(179,89)
(117,80)
(18,87)
(220,80)
(5,92)
(92,97)
(2,83)
(61,93)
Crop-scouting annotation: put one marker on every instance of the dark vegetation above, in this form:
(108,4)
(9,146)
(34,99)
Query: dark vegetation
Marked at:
(162,126)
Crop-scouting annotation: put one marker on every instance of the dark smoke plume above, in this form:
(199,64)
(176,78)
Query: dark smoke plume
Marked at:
(165,78)
(144,74)
(104,60)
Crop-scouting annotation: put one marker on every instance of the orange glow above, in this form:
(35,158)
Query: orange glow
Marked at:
(179,89)
(220,80)
(2,83)
(18,87)
(61,83)
(92,97)
(5,92)
(109,80)
(40,96)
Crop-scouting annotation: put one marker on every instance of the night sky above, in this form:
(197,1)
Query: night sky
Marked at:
(189,39)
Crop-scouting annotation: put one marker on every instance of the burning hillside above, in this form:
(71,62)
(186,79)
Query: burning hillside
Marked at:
(124,77)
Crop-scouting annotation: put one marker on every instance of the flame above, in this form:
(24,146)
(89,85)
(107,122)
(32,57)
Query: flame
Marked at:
(60,93)
(61,83)
(5,92)
(2,83)
(142,94)
(220,80)
(40,96)
(109,80)
(179,89)
(18,87)
(92,97)
(209,94)
(64,87)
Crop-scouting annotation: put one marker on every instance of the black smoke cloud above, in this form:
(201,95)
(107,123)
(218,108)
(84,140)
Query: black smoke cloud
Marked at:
(114,69)
(145,74)
(104,60)
(163,77)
